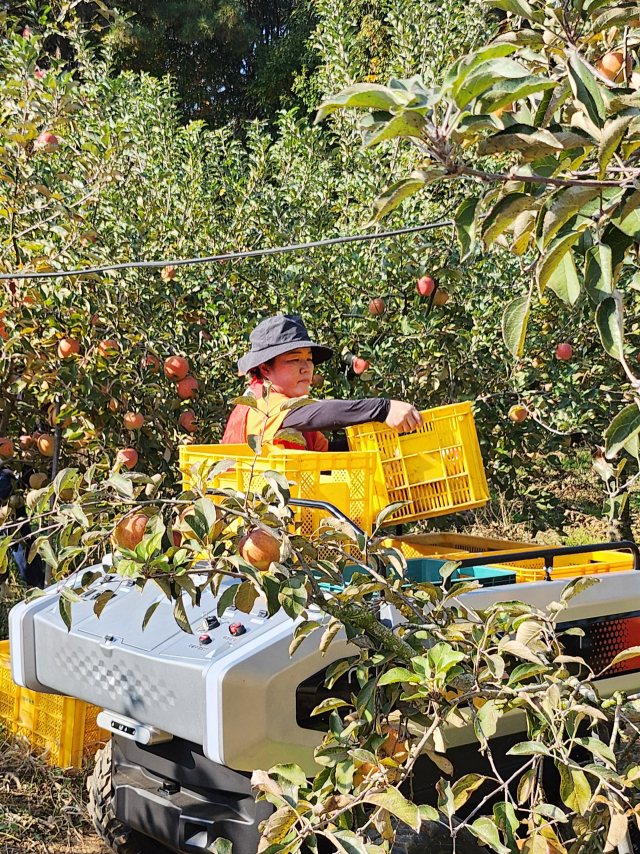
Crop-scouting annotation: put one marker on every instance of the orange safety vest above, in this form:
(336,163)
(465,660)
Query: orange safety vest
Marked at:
(245,421)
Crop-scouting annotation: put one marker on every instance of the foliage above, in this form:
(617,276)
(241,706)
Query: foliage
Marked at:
(424,660)
(547,135)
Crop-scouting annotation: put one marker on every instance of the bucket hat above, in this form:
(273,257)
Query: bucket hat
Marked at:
(276,335)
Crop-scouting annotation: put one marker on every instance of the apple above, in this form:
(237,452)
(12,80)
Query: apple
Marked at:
(68,347)
(518,413)
(6,448)
(441,297)
(564,352)
(377,306)
(48,141)
(108,348)
(113,405)
(133,420)
(88,237)
(317,381)
(360,365)
(26,442)
(187,420)
(39,73)
(168,272)
(37,480)
(150,362)
(176,368)
(46,444)
(128,457)
(426,286)
(187,388)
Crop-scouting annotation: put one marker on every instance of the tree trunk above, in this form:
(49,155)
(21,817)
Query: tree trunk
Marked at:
(620,522)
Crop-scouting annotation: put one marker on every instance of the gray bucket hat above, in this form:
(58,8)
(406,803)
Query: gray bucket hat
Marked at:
(276,335)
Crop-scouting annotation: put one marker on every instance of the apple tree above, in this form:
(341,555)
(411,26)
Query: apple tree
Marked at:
(541,127)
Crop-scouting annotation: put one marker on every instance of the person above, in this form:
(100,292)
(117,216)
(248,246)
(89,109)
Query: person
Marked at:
(283,354)
(31,571)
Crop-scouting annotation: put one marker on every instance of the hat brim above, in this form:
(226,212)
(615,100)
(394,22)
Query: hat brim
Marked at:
(256,357)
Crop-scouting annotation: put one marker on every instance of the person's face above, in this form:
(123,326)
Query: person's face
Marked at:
(290,374)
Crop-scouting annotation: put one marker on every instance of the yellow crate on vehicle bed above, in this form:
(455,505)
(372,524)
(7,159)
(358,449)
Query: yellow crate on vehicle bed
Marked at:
(453,546)
(63,727)
(437,469)
(343,479)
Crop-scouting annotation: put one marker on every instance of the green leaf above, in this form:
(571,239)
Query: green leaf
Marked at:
(465,787)
(102,600)
(254,441)
(397,674)
(279,824)
(460,70)
(329,705)
(483,76)
(585,90)
(556,269)
(530,141)
(397,805)
(293,596)
(486,831)
(551,812)
(148,614)
(428,813)
(566,204)
(615,17)
(346,842)
(514,324)
(220,846)
(122,485)
(599,747)
(624,427)
(293,773)
(529,748)
(226,599)
(485,721)
(577,586)
(504,213)
(388,511)
(401,190)
(442,657)
(278,482)
(367,95)
(64,607)
(408,123)
(575,791)
(612,134)
(598,272)
(507,91)
(465,220)
(627,217)
(520,8)
(524,672)
(180,615)
(46,553)
(609,323)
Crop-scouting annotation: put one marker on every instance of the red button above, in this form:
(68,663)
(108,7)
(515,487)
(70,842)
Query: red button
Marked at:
(237,629)
(204,639)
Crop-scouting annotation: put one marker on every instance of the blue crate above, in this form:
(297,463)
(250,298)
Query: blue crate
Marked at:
(428,569)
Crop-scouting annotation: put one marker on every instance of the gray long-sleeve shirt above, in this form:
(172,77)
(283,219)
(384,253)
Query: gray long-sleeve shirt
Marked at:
(337,414)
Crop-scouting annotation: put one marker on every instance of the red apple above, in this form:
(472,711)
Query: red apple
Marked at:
(377,306)
(133,420)
(6,448)
(176,368)
(39,73)
(187,388)
(48,141)
(564,352)
(168,272)
(360,365)
(425,286)
(68,347)
(187,420)
(128,457)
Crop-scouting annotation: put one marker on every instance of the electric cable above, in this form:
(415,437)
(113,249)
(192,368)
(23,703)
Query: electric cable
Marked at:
(230,256)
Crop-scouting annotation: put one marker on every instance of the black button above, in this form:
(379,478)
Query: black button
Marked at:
(263,614)
(237,629)
(205,639)
(212,622)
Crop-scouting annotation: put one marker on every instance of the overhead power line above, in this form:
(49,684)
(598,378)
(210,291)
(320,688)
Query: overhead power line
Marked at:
(229,256)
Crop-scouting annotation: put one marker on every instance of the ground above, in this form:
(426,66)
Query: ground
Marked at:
(43,809)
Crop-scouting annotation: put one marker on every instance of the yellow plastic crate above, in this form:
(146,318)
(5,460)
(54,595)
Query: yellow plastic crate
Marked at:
(437,469)
(63,727)
(452,546)
(343,479)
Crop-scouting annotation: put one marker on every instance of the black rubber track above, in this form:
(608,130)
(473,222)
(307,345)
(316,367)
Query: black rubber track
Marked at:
(120,838)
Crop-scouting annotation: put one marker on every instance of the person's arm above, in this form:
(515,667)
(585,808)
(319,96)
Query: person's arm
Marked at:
(337,414)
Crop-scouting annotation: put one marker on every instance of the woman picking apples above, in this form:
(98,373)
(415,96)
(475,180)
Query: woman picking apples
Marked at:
(282,353)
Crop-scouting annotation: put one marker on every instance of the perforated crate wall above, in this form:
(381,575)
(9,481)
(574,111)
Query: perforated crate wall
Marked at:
(437,469)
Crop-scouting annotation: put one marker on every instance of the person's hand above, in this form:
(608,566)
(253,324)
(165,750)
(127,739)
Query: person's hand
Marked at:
(403,417)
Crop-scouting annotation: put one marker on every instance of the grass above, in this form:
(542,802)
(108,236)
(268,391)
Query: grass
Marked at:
(42,809)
